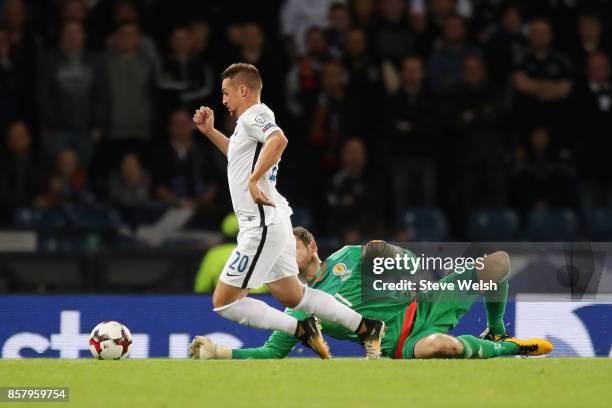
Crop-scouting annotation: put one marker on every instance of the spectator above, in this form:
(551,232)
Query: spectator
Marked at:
(20,58)
(542,80)
(410,138)
(446,63)
(69,95)
(74,11)
(187,80)
(392,36)
(130,186)
(593,111)
(335,115)
(19,172)
(303,78)
(199,30)
(339,23)
(128,79)
(184,175)
(561,14)
(590,40)
(23,44)
(67,183)
(363,72)
(478,142)
(357,196)
(440,10)
(422,33)
(232,42)
(506,46)
(299,16)
(11,83)
(126,12)
(254,50)
(363,13)
(540,178)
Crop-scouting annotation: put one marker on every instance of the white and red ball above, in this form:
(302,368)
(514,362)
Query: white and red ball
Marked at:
(110,341)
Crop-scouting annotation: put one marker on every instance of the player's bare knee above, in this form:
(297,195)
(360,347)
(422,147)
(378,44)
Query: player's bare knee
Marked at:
(217,300)
(220,298)
(426,347)
(447,346)
(438,346)
(289,301)
(496,266)
(454,348)
(287,292)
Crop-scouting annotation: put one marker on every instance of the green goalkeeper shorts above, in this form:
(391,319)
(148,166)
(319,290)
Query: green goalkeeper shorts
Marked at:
(439,311)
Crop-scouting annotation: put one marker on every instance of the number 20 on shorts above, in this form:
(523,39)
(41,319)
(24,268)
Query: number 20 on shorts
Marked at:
(239,262)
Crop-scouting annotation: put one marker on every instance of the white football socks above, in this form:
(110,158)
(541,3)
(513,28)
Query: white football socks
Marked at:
(255,313)
(325,307)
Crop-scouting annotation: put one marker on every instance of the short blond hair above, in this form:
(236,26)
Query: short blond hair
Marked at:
(247,74)
(303,235)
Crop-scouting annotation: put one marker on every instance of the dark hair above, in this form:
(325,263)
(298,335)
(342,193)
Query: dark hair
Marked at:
(124,24)
(314,29)
(338,6)
(590,14)
(303,235)
(180,109)
(542,20)
(415,57)
(247,73)
(71,22)
(455,16)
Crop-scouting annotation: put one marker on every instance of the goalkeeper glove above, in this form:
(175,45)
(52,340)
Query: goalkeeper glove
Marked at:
(203,348)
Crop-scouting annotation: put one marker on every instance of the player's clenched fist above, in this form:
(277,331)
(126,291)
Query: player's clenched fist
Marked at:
(204,119)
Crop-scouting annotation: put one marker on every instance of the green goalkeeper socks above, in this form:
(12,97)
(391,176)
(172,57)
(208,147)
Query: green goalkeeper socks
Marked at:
(495,303)
(475,348)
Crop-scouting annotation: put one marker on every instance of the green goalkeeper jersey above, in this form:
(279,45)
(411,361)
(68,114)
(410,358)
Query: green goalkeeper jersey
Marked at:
(340,276)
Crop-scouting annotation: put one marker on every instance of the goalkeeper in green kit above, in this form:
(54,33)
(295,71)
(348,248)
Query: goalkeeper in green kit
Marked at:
(417,323)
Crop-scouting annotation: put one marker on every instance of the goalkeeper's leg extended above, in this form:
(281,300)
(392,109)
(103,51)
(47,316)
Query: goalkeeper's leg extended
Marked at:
(441,311)
(469,347)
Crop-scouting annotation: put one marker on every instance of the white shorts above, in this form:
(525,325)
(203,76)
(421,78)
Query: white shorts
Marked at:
(263,255)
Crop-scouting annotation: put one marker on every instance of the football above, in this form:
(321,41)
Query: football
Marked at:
(110,341)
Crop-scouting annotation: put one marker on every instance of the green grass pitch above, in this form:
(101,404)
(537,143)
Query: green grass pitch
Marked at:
(509,382)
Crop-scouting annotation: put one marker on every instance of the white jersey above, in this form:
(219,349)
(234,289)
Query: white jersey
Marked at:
(252,128)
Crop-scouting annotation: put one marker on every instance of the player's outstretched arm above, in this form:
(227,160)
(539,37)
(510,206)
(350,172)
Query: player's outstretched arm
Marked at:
(204,118)
(278,346)
(271,153)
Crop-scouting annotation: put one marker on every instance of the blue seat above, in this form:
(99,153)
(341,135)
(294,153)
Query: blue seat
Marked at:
(47,218)
(95,217)
(599,224)
(554,225)
(426,224)
(58,243)
(493,224)
(143,215)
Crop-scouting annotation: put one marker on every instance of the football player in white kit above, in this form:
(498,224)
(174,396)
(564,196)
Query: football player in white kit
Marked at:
(266,244)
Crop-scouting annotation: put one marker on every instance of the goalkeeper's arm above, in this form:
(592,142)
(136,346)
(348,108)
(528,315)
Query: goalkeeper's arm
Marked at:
(277,346)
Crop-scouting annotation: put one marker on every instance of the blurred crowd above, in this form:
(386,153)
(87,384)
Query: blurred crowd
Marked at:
(388,105)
